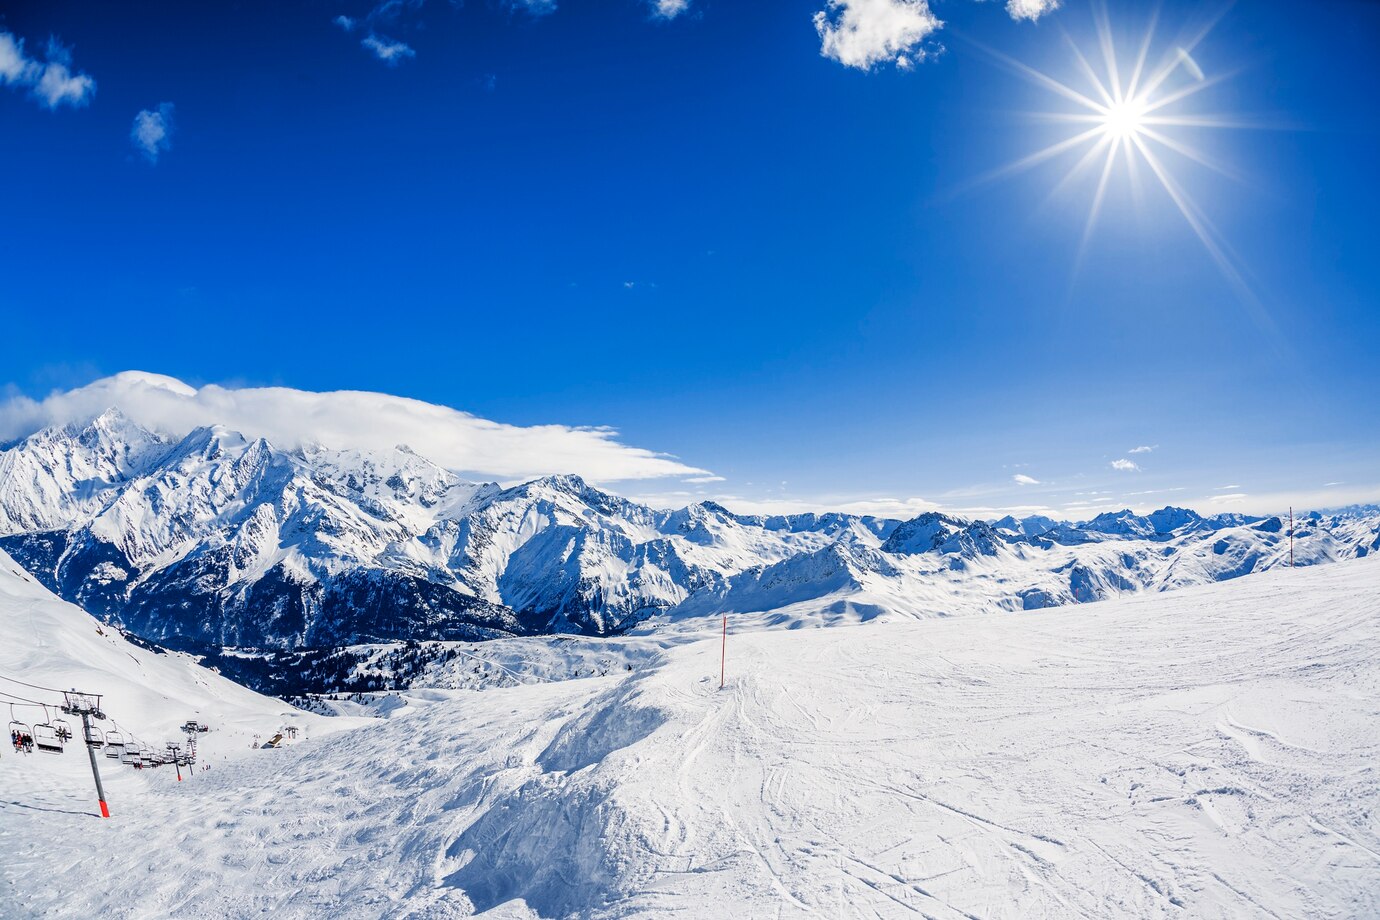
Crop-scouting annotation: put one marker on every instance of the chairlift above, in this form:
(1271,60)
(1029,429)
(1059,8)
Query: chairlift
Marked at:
(64,731)
(94,736)
(21,736)
(46,738)
(129,755)
(114,744)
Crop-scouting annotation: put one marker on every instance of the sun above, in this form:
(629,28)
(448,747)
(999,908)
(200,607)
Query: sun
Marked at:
(1133,116)
(1124,120)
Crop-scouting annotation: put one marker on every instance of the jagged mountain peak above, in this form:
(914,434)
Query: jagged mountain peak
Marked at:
(1030,526)
(923,533)
(569,483)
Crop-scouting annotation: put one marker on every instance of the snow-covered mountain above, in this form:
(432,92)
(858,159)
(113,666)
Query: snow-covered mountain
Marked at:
(216,540)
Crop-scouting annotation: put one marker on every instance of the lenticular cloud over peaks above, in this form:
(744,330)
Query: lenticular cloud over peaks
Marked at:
(348,419)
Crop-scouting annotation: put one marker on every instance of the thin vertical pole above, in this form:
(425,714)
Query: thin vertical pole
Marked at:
(723,653)
(95,771)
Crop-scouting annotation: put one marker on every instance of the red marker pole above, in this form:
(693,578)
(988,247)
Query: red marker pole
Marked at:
(723,653)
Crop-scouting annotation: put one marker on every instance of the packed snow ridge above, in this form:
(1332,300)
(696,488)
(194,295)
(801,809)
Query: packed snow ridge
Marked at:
(217,540)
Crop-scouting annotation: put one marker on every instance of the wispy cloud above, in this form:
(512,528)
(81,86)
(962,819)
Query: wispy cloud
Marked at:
(1030,9)
(1228,498)
(1126,466)
(387,50)
(865,33)
(1024,480)
(699,480)
(52,82)
(669,9)
(345,22)
(1143,449)
(151,134)
(287,417)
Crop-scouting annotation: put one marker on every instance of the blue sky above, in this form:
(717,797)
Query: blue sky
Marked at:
(743,237)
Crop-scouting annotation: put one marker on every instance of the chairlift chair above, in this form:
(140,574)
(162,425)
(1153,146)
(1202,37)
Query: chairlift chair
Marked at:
(21,736)
(114,744)
(46,738)
(64,731)
(94,736)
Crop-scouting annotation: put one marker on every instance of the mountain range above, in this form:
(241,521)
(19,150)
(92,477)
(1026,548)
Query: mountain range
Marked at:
(214,541)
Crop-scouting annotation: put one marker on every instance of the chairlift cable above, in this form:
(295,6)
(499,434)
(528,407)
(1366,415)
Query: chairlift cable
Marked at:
(24,701)
(29,685)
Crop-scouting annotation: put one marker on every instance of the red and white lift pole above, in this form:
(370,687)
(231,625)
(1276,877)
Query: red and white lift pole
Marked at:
(88,706)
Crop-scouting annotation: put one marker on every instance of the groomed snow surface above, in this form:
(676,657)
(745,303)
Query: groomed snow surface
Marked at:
(1211,752)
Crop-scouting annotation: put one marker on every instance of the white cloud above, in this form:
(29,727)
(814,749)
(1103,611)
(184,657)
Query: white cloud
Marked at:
(387,50)
(52,82)
(152,131)
(345,22)
(864,33)
(700,480)
(1228,488)
(1126,466)
(1030,9)
(1024,480)
(59,85)
(14,66)
(457,440)
(669,9)
(1229,498)
(1143,449)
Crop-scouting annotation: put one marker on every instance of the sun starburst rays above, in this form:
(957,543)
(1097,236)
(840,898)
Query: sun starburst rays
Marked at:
(1130,119)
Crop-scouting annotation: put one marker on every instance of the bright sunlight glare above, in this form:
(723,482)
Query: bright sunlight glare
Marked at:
(1132,116)
(1124,119)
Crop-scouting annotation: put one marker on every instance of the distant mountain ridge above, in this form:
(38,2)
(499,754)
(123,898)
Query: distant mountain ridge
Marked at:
(216,540)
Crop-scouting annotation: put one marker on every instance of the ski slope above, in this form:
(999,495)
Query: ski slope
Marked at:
(146,695)
(1210,752)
